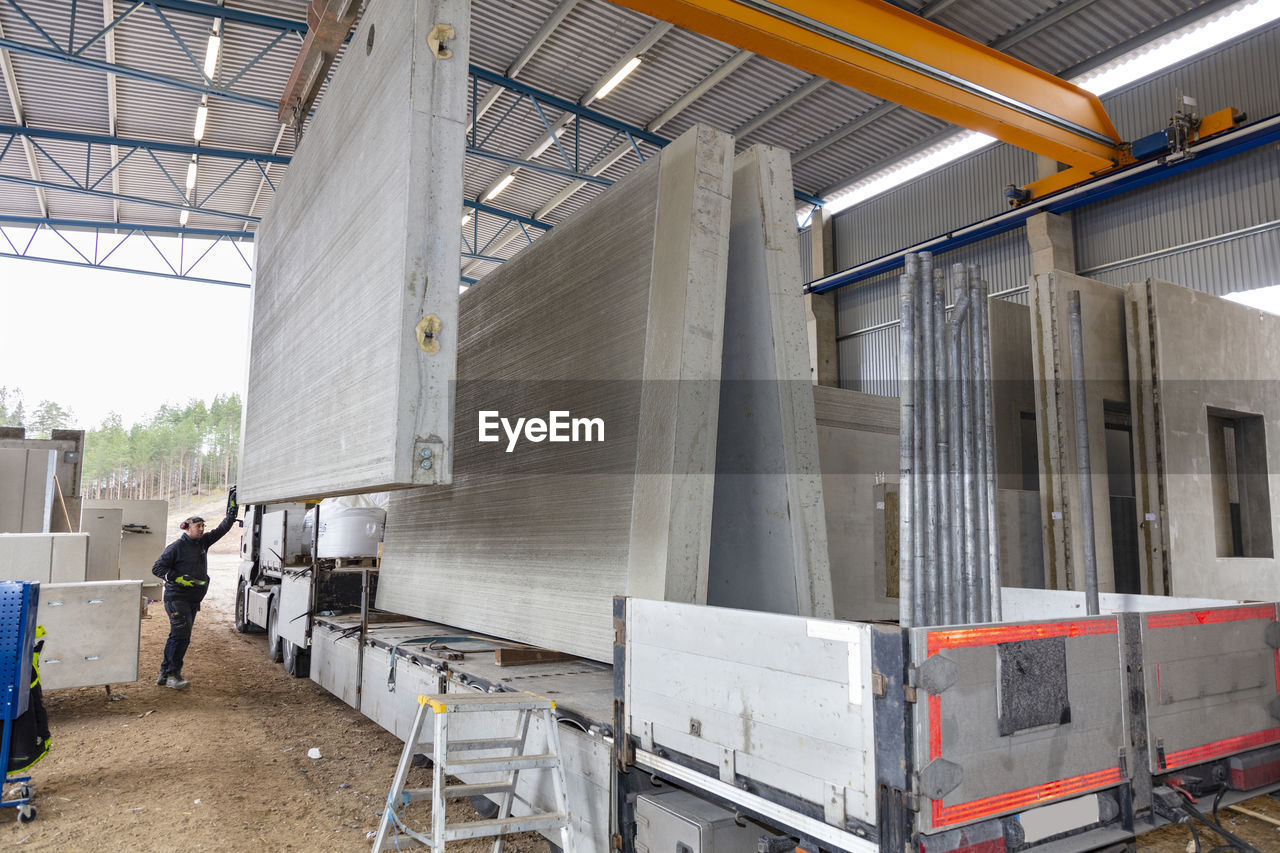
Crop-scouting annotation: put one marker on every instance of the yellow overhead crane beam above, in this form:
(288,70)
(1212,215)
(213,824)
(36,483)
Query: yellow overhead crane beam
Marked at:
(880,49)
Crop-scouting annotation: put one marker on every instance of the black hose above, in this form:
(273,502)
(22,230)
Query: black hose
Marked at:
(1234,841)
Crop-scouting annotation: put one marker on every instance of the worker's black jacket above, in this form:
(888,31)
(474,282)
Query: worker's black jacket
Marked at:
(187,556)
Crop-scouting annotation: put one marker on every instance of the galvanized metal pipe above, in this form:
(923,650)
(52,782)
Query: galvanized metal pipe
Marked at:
(906,449)
(942,455)
(918,491)
(956,502)
(980,447)
(972,589)
(1084,472)
(927,465)
(993,516)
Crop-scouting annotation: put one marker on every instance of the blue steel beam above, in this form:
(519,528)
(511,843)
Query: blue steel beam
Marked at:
(1215,148)
(142,144)
(506,214)
(59,55)
(170,205)
(583,113)
(210,10)
(130,270)
(95,225)
(566,106)
(537,167)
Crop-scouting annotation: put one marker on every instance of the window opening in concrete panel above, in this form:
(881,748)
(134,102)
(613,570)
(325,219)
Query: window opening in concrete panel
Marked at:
(1122,497)
(1240,487)
(1028,456)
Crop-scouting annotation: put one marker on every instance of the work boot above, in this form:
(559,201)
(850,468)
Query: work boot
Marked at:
(176,682)
(164,676)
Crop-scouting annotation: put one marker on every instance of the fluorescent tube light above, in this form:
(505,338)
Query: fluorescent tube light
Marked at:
(632,64)
(502,185)
(211,55)
(191,172)
(182,220)
(466,219)
(202,117)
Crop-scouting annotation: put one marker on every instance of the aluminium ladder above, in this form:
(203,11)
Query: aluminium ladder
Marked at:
(393,834)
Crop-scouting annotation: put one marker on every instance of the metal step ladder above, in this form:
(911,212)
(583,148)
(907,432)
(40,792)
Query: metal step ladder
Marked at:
(393,834)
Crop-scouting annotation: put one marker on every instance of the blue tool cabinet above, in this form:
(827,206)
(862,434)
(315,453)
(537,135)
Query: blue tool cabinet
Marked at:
(18,603)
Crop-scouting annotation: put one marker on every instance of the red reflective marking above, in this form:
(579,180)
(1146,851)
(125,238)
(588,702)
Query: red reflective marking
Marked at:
(1219,748)
(1015,800)
(968,637)
(1211,617)
(935,727)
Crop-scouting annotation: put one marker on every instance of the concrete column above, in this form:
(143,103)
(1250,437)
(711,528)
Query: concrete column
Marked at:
(820,308)
(1052,243)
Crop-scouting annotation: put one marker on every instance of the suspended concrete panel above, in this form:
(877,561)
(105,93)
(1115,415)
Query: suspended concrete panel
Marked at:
(769,531)
(355,292)
(616,315)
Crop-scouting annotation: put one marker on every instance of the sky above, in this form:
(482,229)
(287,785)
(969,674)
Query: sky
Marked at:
(97,342)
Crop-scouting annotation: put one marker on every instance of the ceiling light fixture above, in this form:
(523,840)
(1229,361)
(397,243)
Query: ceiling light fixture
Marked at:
(191,172)
(502,185)
(202,117)
(632,64)
(182,220)
(211,55)
(466,219)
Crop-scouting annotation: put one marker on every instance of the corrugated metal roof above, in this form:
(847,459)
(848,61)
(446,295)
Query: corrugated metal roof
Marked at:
(585,46)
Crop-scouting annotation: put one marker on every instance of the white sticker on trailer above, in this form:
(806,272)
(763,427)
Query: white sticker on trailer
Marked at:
(844,633)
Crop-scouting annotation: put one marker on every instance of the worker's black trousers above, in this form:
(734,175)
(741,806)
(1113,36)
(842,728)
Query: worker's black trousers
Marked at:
(182,617)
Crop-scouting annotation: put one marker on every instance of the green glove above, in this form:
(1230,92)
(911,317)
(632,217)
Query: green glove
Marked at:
(188,581)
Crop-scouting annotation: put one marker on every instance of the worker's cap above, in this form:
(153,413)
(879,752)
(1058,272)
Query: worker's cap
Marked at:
(195,519)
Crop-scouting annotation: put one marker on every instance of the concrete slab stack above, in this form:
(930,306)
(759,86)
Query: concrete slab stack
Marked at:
(769,531)
(1206,417)
(618,315)
(356,281)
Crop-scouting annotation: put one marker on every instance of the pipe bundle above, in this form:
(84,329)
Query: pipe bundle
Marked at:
(948,545)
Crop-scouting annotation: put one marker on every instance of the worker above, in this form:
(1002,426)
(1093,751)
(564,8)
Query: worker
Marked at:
(184,565)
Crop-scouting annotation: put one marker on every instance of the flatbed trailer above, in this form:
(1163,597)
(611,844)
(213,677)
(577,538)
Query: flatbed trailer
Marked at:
(1070,734)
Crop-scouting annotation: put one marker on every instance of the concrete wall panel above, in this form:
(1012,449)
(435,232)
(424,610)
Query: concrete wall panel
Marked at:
(617,314)
(768,533)
(361,245)
(1208,357)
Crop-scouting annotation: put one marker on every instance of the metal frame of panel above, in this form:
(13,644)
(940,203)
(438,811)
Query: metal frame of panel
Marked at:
(957,723)
(1210,678)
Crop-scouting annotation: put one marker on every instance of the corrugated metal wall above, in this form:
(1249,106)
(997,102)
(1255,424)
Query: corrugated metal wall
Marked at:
(1186,226)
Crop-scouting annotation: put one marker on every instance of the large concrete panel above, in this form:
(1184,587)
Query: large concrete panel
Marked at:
(1106,386)
(104,529)
(617,314)
(359,250)
(1201,358)
(858,448)
(142,537)
(769,531)
(93,633)
(27,491)
(44,557)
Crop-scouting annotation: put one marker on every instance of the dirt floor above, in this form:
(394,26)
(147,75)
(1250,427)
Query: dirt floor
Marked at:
(223,765)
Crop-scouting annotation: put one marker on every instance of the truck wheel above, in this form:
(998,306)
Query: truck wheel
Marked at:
(297,661)
(243,625)
(273,630)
